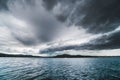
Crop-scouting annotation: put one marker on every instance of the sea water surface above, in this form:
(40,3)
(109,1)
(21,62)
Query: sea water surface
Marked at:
(59,68)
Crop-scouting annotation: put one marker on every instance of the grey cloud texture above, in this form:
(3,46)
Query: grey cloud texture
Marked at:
(103,42)
(3,5)
(46,18)
(43,23)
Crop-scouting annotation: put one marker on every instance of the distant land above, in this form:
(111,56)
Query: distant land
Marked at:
(57,56)
(79,56)
(16,55)
(69,56)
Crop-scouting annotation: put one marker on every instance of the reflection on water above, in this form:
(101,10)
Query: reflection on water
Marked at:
(59,68)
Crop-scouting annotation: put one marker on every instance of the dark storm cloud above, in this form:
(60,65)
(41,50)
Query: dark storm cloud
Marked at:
(95,16)
(108,42)
(100,16)
(64,12)
(49,4)
(3,5)
(104,42)
(47,16)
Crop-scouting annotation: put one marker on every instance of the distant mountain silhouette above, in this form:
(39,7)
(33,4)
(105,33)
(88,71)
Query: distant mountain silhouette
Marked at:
(79,56)
(57,56)
(69,56)
(16,55)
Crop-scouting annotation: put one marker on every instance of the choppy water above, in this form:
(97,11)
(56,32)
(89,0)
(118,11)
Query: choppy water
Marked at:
(59,69)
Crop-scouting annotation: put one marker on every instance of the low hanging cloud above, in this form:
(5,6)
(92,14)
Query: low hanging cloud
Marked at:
(105,41)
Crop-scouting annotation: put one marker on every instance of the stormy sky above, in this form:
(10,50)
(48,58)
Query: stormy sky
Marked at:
(47,27)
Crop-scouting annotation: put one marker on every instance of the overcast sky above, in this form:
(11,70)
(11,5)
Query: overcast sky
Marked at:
(48,27)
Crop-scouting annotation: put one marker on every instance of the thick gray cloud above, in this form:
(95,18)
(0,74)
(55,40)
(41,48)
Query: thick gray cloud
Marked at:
(101,16)
(3,5)
(93,15)
(96,17)
(49,4)
(44,24)
(111,41)
(46,18)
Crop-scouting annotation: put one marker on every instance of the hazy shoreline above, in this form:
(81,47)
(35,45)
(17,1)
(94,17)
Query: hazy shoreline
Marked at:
(57,56)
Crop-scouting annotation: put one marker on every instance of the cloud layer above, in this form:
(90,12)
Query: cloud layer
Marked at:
(71,24)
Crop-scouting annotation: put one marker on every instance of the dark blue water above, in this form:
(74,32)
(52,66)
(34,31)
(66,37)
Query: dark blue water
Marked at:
(59,68)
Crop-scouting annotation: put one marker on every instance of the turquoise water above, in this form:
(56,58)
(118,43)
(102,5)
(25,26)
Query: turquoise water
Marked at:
(59,68)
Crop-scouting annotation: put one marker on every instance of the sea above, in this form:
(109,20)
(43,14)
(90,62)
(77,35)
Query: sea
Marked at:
(59,68)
